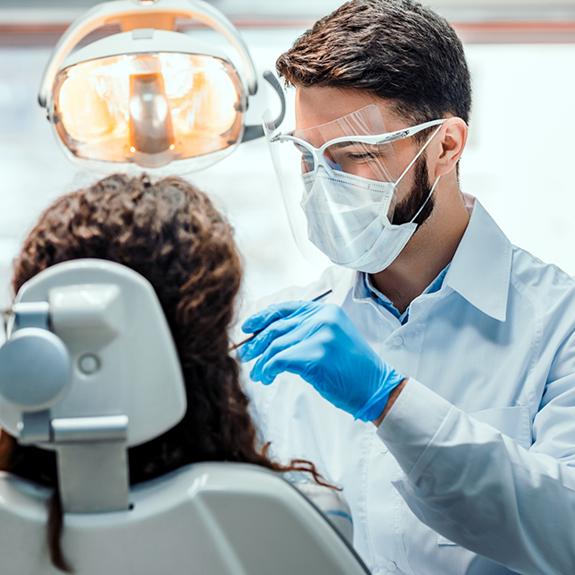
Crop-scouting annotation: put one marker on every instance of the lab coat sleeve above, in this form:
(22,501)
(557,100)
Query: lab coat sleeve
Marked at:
(480,488)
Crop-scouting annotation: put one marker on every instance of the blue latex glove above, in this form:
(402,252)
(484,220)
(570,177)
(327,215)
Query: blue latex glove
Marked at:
(320,343)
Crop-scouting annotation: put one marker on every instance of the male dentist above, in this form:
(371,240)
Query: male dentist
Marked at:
(457,345)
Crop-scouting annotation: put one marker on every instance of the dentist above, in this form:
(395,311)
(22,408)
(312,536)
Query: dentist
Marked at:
(456,344)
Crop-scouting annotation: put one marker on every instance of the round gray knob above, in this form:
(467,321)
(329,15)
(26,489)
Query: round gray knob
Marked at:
(35,369)
(89,364)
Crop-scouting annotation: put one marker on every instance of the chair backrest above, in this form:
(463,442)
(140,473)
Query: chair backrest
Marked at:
(90,369)
(203,519)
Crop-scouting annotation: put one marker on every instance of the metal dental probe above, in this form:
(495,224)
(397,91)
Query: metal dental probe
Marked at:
(236,345)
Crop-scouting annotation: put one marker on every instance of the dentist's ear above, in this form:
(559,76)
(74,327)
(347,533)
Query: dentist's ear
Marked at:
(449,145)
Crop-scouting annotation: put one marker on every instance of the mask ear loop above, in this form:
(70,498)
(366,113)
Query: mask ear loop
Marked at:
(411,164)
(418,154)
(426,200)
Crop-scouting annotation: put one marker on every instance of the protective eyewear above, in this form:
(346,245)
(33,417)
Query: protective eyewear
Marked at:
(349,153)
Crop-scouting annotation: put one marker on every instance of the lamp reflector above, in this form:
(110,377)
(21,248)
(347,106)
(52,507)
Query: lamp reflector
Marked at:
(149,109)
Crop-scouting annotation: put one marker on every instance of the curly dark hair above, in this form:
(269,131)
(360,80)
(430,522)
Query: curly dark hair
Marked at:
(171,234)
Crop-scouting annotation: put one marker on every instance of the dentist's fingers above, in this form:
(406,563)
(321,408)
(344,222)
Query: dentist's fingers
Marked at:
(287,360)
(299,349)
(287,341)
(262,319)
(251,349)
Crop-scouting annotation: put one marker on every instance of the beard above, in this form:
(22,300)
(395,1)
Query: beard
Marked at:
(409,206)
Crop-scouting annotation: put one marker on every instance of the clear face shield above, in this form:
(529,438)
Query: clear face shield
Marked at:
(337,180)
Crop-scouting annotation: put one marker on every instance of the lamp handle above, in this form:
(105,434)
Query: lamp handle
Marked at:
(112,12)
(257,131)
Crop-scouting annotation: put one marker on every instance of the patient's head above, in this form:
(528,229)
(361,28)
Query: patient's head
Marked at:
(171,234)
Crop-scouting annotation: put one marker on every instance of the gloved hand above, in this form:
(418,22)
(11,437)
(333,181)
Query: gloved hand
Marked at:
(320,343)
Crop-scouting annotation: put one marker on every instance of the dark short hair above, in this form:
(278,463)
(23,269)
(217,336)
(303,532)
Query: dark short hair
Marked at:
(395,49)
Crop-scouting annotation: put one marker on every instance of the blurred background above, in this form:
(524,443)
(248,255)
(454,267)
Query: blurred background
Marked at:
(518,161)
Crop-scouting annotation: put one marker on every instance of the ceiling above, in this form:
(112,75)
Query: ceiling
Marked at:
(468,10)
(41,22)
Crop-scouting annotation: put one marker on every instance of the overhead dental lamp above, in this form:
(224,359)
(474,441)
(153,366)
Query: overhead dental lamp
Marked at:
(150,96)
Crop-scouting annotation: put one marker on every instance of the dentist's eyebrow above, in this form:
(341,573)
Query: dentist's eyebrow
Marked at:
(341,145)
(346,144)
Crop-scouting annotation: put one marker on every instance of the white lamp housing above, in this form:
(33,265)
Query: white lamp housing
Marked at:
(149,96)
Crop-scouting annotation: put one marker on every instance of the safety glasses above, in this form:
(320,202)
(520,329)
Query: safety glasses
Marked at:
(349,154)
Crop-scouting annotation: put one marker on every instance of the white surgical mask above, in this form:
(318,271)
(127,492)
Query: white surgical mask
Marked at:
(347,218)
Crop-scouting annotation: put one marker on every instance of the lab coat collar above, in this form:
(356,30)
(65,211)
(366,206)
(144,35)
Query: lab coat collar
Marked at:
(480,270)
(481,267)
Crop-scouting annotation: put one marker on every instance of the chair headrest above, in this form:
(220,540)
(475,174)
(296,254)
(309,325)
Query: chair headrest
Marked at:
(89,341)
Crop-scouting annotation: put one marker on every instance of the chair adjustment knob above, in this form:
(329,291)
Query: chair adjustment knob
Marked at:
(35,369)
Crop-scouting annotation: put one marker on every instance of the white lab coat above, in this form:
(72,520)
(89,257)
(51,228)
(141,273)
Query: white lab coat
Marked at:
(472,468)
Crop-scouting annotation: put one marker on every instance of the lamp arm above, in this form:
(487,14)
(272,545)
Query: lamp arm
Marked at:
(257,131)
(111,12)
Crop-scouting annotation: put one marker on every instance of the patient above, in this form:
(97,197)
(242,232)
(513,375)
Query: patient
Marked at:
(171,234)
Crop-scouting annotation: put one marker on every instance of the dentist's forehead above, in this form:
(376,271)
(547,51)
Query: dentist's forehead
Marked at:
(366,121)
(317,106)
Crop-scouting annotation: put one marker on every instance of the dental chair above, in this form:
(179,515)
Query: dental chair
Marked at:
(90,369)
